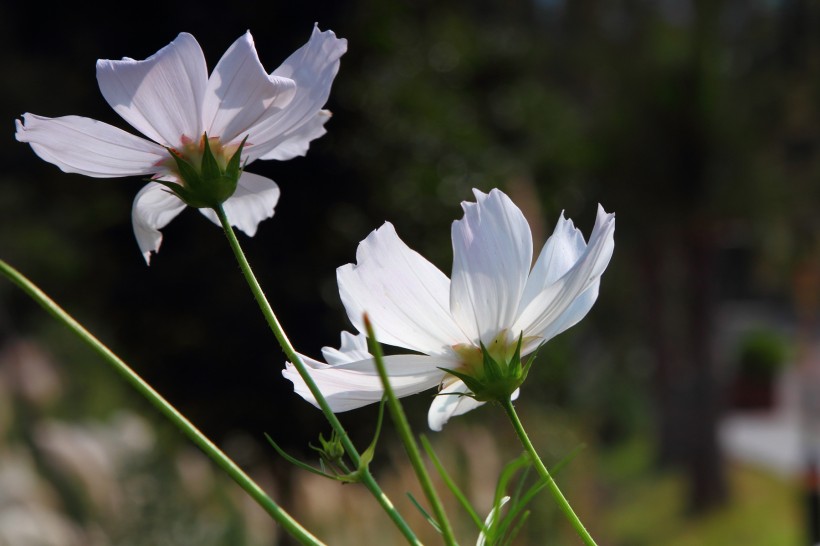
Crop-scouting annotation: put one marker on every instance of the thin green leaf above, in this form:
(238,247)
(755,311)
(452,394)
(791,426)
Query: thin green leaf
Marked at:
(298,463)
(448,481)
(507,539)
(567,459)
(507,474)
(367,454)
(522,500)
(424,513)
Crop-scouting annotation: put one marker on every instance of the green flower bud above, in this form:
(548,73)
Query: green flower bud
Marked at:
(331,451)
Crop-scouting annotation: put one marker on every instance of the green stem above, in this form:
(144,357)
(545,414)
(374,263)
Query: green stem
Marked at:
(563,504)
(410,445)
(164,407)
(367,478)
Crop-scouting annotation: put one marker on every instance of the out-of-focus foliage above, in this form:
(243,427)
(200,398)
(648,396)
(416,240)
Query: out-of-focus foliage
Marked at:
(75,472)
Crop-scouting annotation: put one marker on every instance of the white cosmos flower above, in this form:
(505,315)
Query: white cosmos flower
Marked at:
(494,297)
(170,98)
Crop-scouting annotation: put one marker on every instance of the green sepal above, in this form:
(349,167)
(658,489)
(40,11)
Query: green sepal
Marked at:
(234,168)
(187,171)
(331,451)
(177,189)
(516,369)
(472,383)
(206,185)
(496,380)
(492,369)
(210,168)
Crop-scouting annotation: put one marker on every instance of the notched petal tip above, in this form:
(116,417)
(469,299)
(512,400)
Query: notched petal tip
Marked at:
(153,208)
(603,216)
(20,128)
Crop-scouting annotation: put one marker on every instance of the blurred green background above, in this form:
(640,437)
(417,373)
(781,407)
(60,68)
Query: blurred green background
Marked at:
(695,121)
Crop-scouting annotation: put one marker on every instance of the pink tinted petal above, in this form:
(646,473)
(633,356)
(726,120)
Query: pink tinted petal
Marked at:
(90,147)
(404,295)
(254,200)
(356,384)
(161,96)
(313,67)
(240,94)
(492,254)
(449,402)
(564,302)
(154,206)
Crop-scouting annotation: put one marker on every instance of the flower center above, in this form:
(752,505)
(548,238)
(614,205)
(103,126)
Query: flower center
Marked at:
(472,357)
(493,371)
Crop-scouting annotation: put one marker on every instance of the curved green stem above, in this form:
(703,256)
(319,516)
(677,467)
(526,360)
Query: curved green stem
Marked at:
(407,438)
(563,504)
(223,461)
(367,478)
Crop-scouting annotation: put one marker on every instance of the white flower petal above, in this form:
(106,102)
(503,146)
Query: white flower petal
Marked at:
(254,200)
(449,402)
(561,251)
(313,67)
(562,303)
(352,349)
(297,142)
(356,384)
(404,295)
(573,314)
(240,94)
(492,254)
(90,147)
(154,206)
(161,96)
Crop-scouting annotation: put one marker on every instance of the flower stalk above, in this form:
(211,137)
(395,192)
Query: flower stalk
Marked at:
(407,438)
(562,502)
(165,408)
(273,322)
